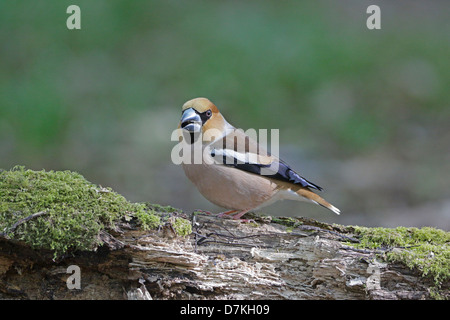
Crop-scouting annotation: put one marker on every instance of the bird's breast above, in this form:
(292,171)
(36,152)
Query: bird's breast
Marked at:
(230,188)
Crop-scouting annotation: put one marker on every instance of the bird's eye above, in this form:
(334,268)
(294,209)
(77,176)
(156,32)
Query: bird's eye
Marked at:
(208,113)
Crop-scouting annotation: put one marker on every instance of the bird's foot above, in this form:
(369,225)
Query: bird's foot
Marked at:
(229,215)
(226,214)
(240,214)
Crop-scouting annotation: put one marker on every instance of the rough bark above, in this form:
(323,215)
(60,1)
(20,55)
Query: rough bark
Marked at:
(221,259)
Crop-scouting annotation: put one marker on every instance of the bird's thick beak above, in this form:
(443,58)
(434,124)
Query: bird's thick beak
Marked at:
(191,121)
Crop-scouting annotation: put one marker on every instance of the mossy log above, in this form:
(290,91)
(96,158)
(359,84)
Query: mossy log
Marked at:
(221,259)
(200,256)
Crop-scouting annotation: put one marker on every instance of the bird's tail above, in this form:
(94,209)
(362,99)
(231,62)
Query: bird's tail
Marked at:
(311,196)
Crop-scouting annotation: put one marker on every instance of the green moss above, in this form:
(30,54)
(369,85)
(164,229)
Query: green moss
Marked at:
(289,222)
(148,220)
(75,209)
(181,226)
(426,249)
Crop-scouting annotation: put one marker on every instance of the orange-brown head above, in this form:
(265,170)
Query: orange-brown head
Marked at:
(200,114)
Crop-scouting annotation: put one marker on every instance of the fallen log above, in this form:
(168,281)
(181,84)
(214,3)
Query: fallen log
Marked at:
(198,256)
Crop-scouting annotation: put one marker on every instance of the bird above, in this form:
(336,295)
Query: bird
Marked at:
(235,172)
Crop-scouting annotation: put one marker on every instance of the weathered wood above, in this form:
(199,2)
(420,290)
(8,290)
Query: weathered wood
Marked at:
(221,259)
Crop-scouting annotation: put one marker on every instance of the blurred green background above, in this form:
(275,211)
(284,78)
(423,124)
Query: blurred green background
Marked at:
(363,113)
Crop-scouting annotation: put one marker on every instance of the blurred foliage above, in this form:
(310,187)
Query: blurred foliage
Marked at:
(96,99)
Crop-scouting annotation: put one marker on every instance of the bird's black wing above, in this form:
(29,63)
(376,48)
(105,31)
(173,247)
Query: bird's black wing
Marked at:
(277,169)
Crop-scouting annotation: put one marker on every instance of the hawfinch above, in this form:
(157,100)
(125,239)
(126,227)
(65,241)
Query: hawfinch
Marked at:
(234,171)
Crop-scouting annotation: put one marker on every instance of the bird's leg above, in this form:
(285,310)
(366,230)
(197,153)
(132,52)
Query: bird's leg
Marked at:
(237,216)
(240,214)
(222,214)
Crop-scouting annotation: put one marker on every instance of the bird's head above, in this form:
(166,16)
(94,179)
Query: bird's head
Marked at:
(201,115)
